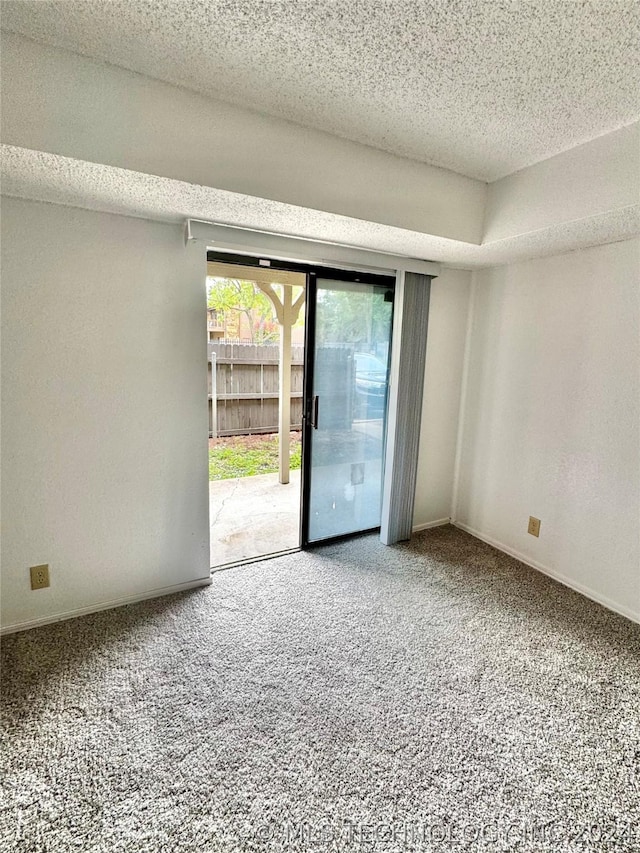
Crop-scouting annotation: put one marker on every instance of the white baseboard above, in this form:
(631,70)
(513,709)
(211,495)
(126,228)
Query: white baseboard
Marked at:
(107,605)
(429,524)
(577,587)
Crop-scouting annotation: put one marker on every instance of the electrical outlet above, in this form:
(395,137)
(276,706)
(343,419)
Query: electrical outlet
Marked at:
(534,526)
(39,576)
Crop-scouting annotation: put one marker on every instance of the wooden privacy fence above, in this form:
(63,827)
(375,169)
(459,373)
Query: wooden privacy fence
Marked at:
(244,388)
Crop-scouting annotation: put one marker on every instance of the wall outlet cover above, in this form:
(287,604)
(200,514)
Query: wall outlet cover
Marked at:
(39,576)
(534,526)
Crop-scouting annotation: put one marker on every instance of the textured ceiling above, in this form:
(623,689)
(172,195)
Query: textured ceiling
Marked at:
(47,177)
(483,87)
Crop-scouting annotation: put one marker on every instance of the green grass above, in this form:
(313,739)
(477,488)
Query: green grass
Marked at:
(246,456)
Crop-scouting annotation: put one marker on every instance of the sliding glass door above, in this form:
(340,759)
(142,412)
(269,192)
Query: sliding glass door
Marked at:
(349,320)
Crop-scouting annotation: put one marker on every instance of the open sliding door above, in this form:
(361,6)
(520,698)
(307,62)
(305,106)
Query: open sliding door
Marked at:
(354,420)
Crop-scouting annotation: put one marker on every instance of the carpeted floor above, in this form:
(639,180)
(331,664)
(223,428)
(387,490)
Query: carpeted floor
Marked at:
(437,696)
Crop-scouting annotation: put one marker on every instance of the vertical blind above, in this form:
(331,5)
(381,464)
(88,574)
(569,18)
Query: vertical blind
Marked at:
(403,435)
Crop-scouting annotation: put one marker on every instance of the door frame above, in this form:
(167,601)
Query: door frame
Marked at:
(312,272)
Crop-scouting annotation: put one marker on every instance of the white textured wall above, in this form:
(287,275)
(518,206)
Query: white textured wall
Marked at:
(104,414)
(60,102)
(448,312)
(551,423)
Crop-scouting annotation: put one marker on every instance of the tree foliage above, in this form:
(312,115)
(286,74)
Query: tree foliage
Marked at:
(352,317)
(243,297)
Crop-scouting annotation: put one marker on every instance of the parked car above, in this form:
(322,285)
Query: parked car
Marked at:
(371,383)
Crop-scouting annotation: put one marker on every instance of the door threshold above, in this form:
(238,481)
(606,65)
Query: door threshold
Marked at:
(260,559)
(341,537)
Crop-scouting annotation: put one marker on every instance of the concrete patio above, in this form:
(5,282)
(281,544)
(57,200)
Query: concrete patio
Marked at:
(253,516)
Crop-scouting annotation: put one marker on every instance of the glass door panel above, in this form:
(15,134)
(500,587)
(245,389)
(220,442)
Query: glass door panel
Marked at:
(346,405)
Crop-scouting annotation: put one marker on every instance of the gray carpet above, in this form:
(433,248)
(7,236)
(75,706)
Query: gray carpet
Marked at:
(433,696)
